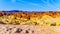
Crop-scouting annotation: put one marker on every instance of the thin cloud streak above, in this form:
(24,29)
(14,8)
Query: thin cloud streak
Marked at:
(31,3)
(46,4)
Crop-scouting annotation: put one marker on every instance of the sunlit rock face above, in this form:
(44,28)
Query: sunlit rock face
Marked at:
(30,18)
(24,22)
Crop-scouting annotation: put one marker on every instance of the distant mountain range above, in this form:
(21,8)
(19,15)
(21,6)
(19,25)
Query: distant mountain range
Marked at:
(28,11)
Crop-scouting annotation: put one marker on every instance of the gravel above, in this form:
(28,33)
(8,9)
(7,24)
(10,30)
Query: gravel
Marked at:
(28,29)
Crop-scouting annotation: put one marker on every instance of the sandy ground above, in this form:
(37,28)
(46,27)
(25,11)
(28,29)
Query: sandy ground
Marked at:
(27,29)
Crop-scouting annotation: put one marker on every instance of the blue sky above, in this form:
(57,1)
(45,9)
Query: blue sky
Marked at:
(30,5)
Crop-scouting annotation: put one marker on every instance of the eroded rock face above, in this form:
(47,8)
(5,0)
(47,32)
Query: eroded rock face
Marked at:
(30,23)
(26,29)
(30,18)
